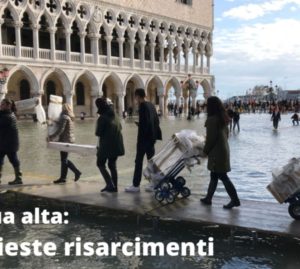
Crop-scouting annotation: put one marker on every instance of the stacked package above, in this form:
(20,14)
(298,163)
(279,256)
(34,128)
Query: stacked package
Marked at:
(185,145)
(32,105)
(286,181)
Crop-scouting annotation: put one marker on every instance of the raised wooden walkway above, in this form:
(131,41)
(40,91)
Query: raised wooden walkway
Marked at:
(270,218)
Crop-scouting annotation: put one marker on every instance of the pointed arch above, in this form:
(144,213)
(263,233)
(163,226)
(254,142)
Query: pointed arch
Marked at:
(64,79)
(93,81)
(30,76)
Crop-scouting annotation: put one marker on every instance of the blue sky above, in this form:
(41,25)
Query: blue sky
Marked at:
(254,42)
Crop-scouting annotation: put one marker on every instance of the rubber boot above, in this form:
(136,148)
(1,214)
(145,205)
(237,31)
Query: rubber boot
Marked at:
(74,169)
(107,178)
(114,177)
(18,177)
(63,174)
(210,192)
(235,201)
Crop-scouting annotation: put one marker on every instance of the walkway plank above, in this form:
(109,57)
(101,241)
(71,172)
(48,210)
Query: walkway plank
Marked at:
(270,218)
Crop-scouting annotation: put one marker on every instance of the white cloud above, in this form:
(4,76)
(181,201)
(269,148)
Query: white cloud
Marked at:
(253,11)
(254,54)
(260,41)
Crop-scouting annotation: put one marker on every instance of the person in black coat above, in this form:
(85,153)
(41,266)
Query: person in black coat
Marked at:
(148,133)
(276,117)
(9,139)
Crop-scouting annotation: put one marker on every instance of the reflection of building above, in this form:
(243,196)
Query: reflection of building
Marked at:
(83,49)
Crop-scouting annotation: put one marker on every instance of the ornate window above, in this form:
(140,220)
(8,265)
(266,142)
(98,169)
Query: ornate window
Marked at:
(67,9)
(17,2)
(52,6)
(82,12)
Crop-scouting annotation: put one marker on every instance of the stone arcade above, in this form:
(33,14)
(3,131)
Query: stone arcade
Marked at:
(85,49)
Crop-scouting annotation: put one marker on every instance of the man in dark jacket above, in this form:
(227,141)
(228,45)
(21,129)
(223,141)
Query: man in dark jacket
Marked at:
(9,139)
(148,132)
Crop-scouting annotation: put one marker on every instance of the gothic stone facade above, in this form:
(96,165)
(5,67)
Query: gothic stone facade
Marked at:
(85,49)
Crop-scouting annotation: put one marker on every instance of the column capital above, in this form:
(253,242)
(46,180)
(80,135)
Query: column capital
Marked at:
(143,43)
(52,30)
(94,36)
(121,39)
(82,34)
(68,31)
(18,24)
(108,38)
(120,94)
(35,27)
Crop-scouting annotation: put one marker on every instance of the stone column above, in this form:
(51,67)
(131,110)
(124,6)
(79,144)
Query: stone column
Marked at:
(201,62)
(94,107)
(68,44)
(69,99)
(121,52)
(36,45)
(152,46)
(52,31)
(142,45)
(194,60)
(170,48)
(2,92)
(162,56)
(82,47)
(1,22)
(208,63)
(121,104)
(95,46)
(132,43)
(187,59)
(178,100)
(179,46)
(162,104)
(108,45)
(18,26)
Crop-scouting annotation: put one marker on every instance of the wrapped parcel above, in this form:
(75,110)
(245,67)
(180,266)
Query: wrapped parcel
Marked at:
(54,111)
(286,181)
(185,145)
(32,105)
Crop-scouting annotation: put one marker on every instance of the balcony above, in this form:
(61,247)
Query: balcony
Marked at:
(9,52)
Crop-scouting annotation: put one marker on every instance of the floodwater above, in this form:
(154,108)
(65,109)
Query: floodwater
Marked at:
(255,151)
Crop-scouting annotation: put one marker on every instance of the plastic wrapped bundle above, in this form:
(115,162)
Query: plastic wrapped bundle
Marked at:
(54,111)
(32,105)
(74,148)
(286,181)
(185,145)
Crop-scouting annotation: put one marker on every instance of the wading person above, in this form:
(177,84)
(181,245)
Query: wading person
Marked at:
(9,139)
(148,133)
(295,119)
(276,117)
(236,119)
(109,131)
(217,149)
(65,134)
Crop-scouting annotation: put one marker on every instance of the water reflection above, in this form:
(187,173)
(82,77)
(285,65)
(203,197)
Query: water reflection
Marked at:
(255,151)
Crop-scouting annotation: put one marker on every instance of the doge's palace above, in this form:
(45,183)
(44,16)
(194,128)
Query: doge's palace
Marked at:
(85,49)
